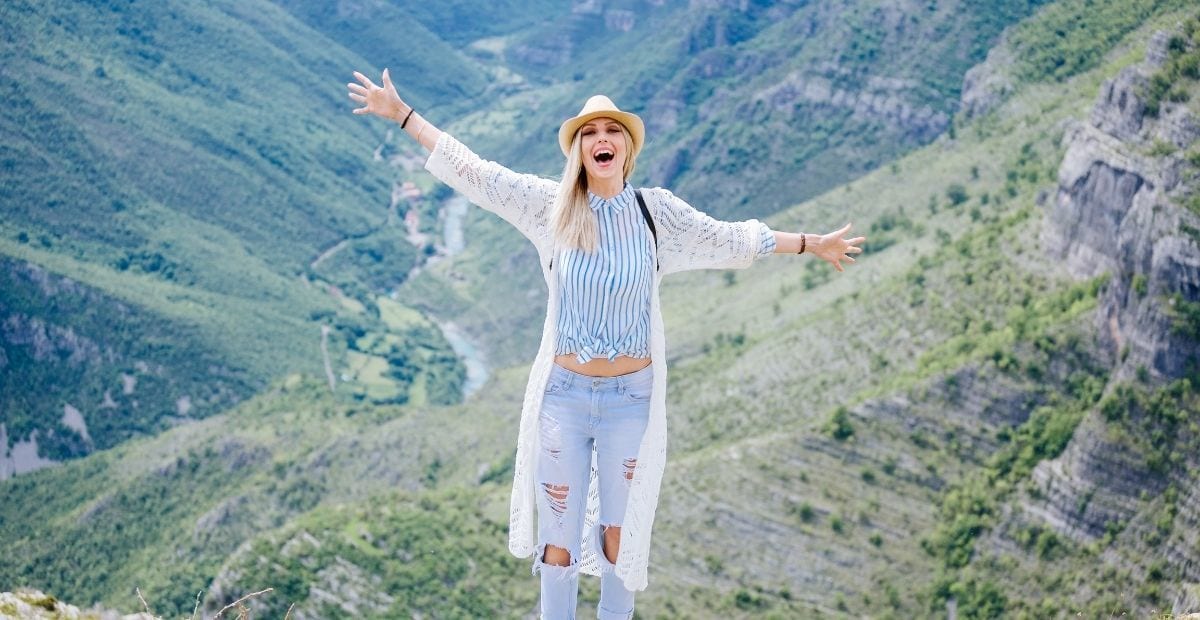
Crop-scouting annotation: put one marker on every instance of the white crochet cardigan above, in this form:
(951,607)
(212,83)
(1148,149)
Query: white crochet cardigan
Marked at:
(687,239)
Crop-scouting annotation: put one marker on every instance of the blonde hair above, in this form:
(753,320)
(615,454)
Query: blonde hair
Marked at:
(574,225)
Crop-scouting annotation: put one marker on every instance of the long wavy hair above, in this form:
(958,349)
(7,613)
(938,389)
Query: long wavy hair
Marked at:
(573,222)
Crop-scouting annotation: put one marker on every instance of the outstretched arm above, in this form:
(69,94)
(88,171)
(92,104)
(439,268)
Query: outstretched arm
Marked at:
(693,240)
(384,101)
(523,200)
(832,247)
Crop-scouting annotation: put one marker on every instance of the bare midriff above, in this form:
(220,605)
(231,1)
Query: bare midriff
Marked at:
(601,367)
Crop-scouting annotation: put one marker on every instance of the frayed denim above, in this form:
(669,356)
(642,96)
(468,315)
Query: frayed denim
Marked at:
(581,414)
(616,601)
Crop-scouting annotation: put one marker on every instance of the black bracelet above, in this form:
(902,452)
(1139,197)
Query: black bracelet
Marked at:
(405,121)
(803,242)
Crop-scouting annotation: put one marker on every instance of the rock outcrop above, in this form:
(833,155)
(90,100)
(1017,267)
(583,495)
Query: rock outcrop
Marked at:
(1093,487)
(988,83)
(1118,210)
(882,101)
(37,604)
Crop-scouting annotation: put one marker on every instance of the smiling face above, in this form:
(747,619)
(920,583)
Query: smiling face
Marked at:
(604,152)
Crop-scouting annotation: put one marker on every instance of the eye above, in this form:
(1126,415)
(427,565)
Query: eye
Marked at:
(589,131)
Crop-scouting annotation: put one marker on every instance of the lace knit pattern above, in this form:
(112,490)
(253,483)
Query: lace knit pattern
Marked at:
(687,239)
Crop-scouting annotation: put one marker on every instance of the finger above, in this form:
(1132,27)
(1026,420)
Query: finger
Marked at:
(845,229)
(362,110)
(854,250)
(366,81)
(838,266)
(387,80)
(357,88)
(848,259)
(358,98)
(856,240)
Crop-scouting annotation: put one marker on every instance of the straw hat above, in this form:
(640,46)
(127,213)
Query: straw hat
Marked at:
(596,107)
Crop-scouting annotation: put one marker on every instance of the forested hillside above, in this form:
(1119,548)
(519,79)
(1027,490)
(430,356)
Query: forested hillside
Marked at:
(184,168)
(993,414)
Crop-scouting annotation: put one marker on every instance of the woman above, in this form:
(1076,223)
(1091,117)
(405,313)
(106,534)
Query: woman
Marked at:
(592,442)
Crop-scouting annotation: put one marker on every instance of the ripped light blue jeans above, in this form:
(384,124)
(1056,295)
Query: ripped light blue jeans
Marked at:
(581,413)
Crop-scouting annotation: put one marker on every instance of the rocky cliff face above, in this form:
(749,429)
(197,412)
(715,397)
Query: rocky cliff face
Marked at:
(1118,211)
(880,100)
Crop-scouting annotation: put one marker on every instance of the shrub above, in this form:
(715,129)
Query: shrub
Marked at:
(889,466)
(839,426)
(957,194)
(747,600)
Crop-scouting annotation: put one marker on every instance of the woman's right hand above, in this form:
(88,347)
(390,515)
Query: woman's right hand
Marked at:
(380,100)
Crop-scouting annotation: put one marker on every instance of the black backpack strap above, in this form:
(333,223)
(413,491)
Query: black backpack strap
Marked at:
(646,215)
(649,221)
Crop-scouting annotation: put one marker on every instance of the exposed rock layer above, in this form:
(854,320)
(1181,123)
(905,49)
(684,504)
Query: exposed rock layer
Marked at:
(1117,212)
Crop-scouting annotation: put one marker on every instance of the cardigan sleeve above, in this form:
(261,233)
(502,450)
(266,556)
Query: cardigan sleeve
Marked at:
(523,200)
(692,239)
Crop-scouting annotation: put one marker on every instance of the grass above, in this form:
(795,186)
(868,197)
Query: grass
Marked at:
(1074,36)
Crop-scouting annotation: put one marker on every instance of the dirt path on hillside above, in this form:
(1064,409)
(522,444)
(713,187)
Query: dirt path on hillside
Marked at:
(337,247)
(325,355)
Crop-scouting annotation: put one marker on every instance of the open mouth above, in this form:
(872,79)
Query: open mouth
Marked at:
(604,156)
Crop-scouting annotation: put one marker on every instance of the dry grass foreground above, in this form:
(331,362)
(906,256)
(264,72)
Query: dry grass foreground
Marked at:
(36,604)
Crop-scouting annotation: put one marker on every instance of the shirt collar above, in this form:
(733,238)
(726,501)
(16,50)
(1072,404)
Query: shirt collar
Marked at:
(618,202)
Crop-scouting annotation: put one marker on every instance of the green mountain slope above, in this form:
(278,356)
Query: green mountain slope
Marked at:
(425,43)
(186,164)
(196,159)
(824,92)
(165,513)
(749,107)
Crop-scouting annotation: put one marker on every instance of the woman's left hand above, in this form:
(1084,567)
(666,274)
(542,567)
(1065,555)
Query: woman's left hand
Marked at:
(834,247)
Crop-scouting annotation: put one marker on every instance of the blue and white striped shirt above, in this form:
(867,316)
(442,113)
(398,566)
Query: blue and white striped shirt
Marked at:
(605,295)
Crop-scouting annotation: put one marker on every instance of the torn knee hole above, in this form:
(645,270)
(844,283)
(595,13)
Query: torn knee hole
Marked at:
(611,542)
(556,556)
